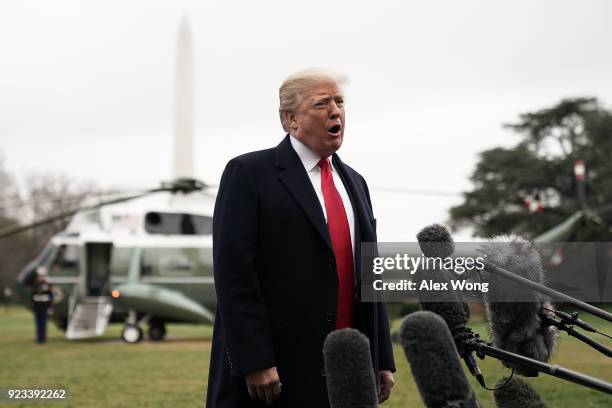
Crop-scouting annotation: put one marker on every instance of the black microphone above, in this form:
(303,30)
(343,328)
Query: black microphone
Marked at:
(574,320)
(436,242)
(432,355)
(516,393)
(517,327)
(349,371)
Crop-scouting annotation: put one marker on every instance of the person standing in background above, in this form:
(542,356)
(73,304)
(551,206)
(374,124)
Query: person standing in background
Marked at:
(42,300)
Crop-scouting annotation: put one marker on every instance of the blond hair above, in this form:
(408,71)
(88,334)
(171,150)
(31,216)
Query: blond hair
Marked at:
(292,91)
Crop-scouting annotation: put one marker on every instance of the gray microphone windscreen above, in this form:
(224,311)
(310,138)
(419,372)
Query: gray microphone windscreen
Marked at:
(517,326)
(436,241)
(349,371)
(434,362)
(516,394)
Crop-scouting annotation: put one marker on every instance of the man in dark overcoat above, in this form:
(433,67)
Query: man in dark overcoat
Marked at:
(287,229)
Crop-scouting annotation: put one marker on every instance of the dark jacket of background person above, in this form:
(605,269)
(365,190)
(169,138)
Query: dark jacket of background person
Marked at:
(42,300)
(42,297)
(276,280)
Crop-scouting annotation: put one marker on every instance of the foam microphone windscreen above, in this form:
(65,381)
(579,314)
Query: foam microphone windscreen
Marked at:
(349,371)
(434,362)
(517,326)
(516,394)
(436,241)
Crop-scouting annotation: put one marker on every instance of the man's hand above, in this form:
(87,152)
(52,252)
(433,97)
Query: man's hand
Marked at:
(385,383)
(264,384)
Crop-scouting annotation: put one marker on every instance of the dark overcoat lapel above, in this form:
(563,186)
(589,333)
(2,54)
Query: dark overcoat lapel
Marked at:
(295,179)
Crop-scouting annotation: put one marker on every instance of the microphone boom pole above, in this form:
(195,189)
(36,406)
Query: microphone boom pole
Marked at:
(555,370)
(556,295)
(602,348)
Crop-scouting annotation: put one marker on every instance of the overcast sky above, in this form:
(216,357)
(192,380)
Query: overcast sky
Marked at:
(87,88)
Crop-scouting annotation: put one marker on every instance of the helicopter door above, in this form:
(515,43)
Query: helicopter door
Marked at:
(91,307)
(97,268)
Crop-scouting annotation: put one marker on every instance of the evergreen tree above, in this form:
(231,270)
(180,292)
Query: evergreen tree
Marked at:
(540,169)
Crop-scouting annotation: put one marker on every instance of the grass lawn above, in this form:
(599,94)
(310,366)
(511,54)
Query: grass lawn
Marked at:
(108,373)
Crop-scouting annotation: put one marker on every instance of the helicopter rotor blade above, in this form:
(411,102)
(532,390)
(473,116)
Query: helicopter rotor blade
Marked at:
(180,185)
(18,203)
(16,229)
(400,190)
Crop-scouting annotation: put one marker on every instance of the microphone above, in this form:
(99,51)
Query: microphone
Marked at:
(517,327)
(574,320)
(516,394)
(435,241)
(349,370)
(432,355)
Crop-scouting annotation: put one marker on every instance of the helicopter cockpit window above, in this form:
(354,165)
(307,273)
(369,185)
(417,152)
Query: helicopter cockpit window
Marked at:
(177,224)
(175,262)
(65,261)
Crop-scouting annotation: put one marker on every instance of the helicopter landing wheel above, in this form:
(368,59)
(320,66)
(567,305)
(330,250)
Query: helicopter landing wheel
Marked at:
(131,333)
(157,331)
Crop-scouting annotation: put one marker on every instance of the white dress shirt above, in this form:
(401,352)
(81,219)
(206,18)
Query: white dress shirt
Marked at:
(310,160)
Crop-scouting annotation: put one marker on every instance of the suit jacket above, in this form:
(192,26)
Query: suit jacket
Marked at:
(276,279)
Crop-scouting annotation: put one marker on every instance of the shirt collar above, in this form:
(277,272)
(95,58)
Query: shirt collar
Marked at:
(309,159)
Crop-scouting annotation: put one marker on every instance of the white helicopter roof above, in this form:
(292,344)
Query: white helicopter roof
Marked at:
(128,217)
(142,241)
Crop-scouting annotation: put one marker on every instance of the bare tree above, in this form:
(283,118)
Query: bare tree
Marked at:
(43,196)
(10,201)
(48,195)
(14,251)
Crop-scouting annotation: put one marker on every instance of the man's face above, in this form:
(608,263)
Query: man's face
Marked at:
(318,122)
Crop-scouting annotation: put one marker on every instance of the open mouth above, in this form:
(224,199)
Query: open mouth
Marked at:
(335,130)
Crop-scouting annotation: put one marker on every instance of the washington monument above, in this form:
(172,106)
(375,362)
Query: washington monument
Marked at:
(183,121)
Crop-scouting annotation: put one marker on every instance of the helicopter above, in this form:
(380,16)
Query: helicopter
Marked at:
(585,224)
(143,259)
(582,244)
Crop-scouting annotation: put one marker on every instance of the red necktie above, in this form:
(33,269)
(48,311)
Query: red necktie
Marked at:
(340,234)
